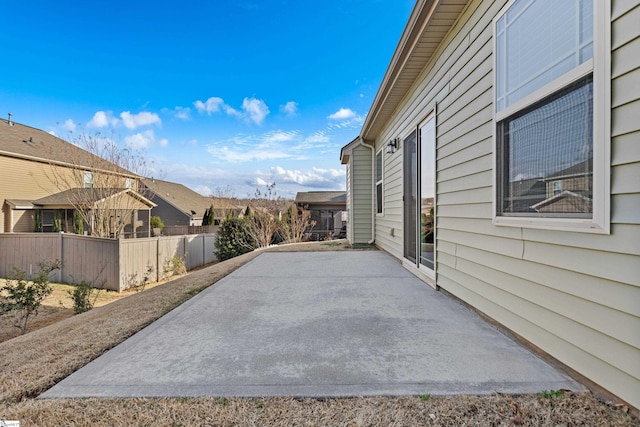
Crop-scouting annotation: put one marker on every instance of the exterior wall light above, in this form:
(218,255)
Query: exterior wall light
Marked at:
(392,146)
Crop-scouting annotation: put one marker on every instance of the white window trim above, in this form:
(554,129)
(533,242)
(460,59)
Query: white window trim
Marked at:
(88,174)
(431,273)
(380,181)
(600,64)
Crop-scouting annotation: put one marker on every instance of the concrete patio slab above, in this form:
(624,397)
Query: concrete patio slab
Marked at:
(321,324)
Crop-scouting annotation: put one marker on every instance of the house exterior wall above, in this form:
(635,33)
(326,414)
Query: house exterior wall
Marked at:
(169,214)
(23,221)
(361,184)
(28,180)
(575,295)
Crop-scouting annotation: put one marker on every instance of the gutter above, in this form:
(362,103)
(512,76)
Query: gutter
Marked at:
(373,185)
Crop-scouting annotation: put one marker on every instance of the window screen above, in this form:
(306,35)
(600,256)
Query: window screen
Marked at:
(547,155)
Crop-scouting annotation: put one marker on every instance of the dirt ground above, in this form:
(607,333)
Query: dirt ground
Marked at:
(32,363)
(59,306)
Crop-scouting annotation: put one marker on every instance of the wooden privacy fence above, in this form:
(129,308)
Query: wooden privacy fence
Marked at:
(105,263)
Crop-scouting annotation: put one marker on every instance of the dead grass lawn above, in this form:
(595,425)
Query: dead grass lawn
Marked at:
(32,363)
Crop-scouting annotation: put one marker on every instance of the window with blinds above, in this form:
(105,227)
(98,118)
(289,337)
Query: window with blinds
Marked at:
(544,109)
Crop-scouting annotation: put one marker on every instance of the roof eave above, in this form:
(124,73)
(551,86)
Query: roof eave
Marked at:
(416,29)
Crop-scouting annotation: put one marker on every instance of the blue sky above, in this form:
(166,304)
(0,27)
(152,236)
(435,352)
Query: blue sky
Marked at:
(218,94)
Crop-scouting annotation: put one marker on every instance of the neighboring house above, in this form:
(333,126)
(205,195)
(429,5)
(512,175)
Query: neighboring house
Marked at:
(327,209)
(177,204)
(522,146)
(44,179)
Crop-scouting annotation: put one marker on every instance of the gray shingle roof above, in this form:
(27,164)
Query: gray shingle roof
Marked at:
(318,197)
(86,196)
(179,196)
(26,141)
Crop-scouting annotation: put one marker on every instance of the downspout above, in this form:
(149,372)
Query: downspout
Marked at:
(373,186)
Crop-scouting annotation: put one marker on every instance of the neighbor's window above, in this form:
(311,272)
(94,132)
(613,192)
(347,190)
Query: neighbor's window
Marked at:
(379,182)
(128,183)
(88,180)
(544,114)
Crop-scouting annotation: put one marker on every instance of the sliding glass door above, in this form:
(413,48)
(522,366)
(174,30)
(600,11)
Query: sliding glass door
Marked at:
(419,194)
(427,192)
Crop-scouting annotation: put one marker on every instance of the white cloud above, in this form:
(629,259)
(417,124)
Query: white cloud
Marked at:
(272,145)
(279,136)
(317,137)
(238,155)
(211,105)
(132,121)
(140,140)
(163,142)
(314,178)
(343,114)
(256,109)
(261,182)
(253,110)
(183,113)
(102,119)
(69,125)
(290,108)
(203,190)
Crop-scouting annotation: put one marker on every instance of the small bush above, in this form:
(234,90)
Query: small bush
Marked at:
(156,222)
(84,297)
(22,297)
(139,285)
(175,266)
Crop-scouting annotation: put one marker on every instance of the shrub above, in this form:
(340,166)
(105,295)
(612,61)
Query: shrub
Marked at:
(78,222)
(175,266)
(38,221)
(84,297)
(233,238)
(57,221)
(132,281)
(208,218)
(156,222)
(23,297)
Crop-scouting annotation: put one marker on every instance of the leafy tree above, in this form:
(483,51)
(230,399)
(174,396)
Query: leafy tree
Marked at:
(23,298)
(233,238)
(208,218)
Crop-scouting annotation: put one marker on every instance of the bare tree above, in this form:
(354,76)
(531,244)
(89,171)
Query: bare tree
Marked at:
(264,217)
(296,223)
(101,182)
(262,226)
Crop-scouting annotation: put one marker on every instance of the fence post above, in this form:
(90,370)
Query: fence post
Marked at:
(184,255)
(59,274)
(157,259)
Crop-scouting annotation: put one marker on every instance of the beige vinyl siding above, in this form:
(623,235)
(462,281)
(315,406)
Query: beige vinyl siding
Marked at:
(23,221)
(575,295)
(362,186)
(389,223)
(24,179)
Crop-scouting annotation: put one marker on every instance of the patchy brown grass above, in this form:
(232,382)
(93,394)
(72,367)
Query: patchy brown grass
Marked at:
(32,363)
(59,306)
